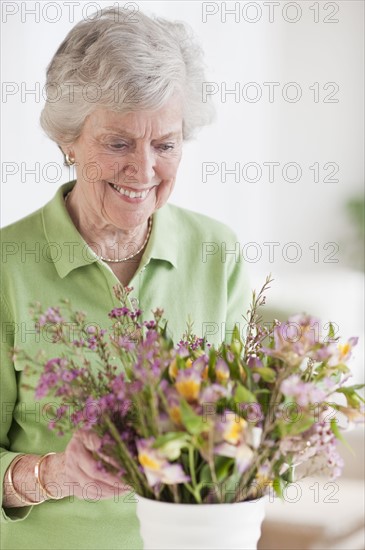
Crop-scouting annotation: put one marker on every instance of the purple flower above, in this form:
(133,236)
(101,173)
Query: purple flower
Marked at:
(230,427)
(156,467)
(295,339)
(79,343)
(118,386)
(254,362)
(341,352)
(135,314)
(92,343)
(149,324)
(305,393)
(126,343)
(41,390)
(212,393)
(117,312)
(68,376)
(221,370)
(241,453)
(49,366)
(52,315)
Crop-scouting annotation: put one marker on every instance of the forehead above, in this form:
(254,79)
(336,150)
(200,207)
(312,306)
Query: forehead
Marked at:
(166,120)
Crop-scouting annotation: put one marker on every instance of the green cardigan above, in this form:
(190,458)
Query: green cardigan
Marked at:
(191,268)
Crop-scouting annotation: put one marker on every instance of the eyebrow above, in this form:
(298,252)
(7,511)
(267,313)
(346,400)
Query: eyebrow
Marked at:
(124,133)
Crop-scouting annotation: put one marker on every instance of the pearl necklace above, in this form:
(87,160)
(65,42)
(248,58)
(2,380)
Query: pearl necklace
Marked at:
(120,260)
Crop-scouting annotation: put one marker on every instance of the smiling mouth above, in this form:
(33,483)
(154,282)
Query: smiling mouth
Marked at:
(130,193)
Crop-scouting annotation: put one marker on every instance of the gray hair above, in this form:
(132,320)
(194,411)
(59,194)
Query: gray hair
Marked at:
(123,61)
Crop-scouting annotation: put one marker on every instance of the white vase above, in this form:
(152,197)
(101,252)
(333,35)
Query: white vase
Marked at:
(169,526)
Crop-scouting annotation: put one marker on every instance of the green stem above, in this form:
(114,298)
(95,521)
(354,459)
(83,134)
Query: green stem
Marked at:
(191,465)
(137,479)
(195,494)
(249,475)
(154,423)
(195,490)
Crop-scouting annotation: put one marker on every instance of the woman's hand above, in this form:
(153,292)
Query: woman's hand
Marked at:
(75,473)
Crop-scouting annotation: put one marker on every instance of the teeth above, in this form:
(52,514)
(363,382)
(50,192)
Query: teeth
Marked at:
(131,194)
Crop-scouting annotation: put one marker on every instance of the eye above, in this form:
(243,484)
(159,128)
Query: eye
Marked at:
(166,147)
(117,146)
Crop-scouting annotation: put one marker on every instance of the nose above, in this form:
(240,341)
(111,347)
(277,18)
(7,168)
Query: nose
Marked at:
(140,168)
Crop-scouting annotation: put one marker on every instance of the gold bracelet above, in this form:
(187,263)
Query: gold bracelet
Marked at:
(37,472)
(9,479)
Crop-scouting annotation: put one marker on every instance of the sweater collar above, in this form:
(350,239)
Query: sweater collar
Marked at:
(68,250)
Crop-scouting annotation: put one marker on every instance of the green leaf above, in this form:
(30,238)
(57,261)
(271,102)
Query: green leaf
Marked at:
(171,436)
(231,486)
(236,342)
(223,465)
(205,476)
(337,433)
(234,369)
(192,422)
(211,363)
(279,486)
(180,363)
(341,367)
(355,387)
(266,373)
(243,395)
(353,398)
(297,426)
(288,475)
(331,332)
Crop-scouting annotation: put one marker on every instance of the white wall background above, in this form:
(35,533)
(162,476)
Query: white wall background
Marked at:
(303,132)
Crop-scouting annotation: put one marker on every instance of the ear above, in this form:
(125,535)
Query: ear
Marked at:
(68,158)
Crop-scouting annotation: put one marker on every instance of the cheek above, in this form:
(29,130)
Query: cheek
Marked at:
(167,170)
(165,188)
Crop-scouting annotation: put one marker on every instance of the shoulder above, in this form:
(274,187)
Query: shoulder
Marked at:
(32,227)
(24,229)
(198,226)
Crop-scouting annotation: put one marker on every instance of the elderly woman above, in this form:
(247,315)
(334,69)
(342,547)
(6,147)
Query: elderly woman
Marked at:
(123,95)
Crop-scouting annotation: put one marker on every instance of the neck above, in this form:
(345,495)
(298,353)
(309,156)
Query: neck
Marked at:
(106,240)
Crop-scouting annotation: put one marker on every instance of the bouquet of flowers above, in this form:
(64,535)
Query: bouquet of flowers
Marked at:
(193,423)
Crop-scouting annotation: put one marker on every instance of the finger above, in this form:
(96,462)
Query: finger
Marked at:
(89,439)
(82,460)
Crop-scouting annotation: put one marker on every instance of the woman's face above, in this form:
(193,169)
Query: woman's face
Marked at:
(126,164)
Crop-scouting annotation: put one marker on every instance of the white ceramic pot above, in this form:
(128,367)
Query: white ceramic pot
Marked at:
(169,526)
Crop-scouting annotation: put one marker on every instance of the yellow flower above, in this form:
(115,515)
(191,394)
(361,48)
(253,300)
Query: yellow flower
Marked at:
(205,373)
(173,370)
(175,415)
(188,383)
(233,431)
(263,481)
(221,375)
(188,388)
(148,462)
(344,350)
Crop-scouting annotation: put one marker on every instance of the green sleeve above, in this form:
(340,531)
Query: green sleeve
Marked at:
(8,397)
